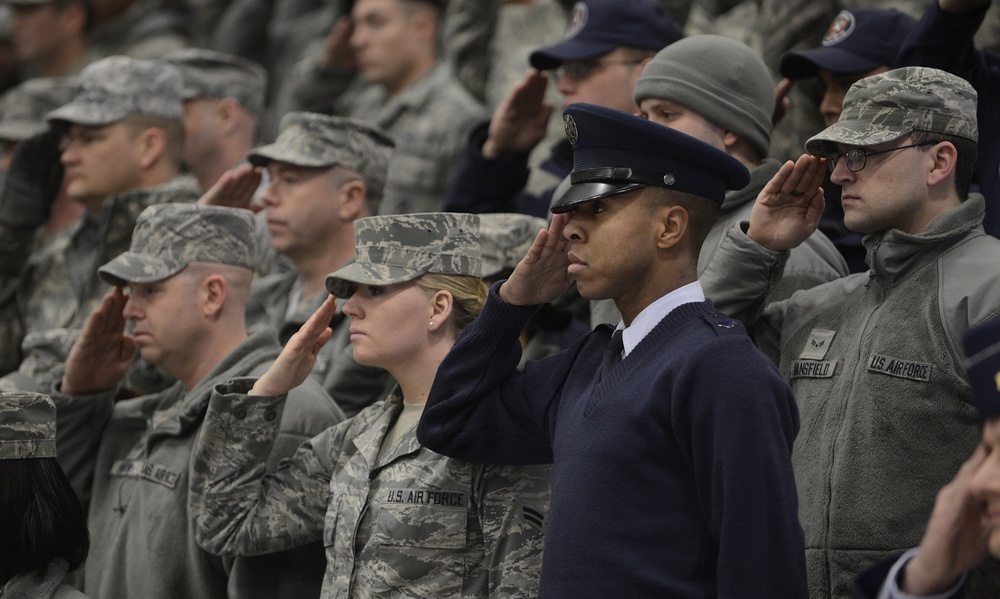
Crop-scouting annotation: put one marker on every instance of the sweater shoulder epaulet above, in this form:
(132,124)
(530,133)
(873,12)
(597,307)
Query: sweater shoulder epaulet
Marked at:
(723,325)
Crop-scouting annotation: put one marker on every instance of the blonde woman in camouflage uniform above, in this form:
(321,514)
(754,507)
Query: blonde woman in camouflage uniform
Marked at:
(396,518)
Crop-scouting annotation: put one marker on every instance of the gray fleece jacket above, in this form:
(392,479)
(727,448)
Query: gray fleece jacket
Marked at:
(875,362)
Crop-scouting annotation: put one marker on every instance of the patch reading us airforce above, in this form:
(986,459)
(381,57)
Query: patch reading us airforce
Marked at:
(813,369)
(915,371)
(156,473)
(434,497)
(817,345)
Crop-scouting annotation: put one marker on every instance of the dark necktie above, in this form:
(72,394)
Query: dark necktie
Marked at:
(613,353)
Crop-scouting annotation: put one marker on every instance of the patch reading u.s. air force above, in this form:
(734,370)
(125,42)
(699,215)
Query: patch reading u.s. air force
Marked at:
(156,473)
(817,345)
(904,369)
(435,497)
(813,369)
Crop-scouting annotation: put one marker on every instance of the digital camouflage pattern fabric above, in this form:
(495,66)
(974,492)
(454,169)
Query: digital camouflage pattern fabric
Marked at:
(310,139)
(412,524)
(27,426)
(505,239)
(210,74)
(891,105)
(23,108)
(399,248)
(118,86)
(168,237)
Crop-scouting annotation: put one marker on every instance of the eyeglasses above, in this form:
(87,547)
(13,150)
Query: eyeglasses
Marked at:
(578,70)
(856,159)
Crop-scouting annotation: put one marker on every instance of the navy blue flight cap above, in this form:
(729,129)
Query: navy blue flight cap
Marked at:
(857,41)
(615,152)
(599,26)
(982,364)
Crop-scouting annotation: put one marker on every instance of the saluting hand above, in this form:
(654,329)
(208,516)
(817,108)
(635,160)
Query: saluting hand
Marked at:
(956,535)
(234,189)
(541,275)
(296,360)
(102,354)
(521,119)
(788,209)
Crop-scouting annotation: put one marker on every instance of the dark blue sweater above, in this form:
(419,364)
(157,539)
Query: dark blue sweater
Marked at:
(672,475)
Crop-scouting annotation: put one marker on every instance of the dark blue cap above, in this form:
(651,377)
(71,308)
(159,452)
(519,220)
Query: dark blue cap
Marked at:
(599,26)
(615,152)
(857,41)
(982,351)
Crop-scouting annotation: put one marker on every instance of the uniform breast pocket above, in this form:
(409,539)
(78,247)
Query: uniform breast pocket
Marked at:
(422,551)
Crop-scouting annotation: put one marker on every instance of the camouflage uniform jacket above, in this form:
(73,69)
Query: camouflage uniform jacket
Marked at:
(47,303)
(350,384)
(876,365)
(429,120)
(137,455)
(415,524)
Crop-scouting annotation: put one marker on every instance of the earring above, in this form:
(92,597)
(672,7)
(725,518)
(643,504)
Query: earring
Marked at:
(430,325)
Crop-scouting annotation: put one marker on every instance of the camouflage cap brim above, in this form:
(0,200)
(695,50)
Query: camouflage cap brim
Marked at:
(137,268)
(27,426)
(87,112)
(853,133)
(265,154)
(18,450)
(20,130)
(342,283)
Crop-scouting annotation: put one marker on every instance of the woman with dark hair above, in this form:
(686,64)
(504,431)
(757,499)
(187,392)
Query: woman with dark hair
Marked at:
(43,530)
(396,518)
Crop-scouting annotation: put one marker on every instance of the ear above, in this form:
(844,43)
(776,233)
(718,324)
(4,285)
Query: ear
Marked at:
(943,158)
(439,309)
(730,139)
(73,17)
(424,24)
(671,226)
(151,145)
(227,112)
(212,295)
(352,200)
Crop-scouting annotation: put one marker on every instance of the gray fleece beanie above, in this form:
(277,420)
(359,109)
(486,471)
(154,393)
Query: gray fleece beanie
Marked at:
(720,78)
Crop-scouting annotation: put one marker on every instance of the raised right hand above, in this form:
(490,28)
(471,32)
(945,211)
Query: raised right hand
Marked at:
(296,360)
(541,275)
(102,354)
(521,119)
(956,536)
(234,189)
(788,209)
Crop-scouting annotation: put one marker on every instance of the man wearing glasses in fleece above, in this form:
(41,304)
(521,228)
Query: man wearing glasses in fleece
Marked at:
(874,359)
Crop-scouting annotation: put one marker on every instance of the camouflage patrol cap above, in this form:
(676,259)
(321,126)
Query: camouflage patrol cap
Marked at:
(316,140)
(210,74)
(27,426)
(885,107)
(505,239)
(118,86)
(401,247)
(168,237)
(23,108)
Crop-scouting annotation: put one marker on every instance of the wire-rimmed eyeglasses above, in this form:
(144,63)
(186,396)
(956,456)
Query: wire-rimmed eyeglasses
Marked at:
(856,159)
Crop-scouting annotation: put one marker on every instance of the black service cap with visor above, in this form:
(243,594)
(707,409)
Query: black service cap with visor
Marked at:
(615,153)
